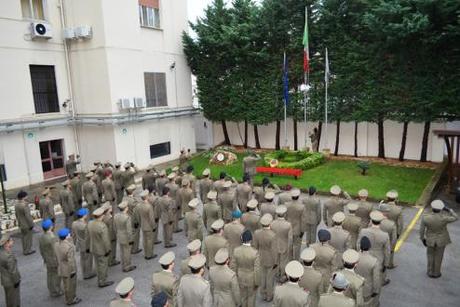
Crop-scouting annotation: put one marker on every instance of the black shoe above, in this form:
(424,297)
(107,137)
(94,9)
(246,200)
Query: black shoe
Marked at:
(177,230)
(116,262)
(386,282)
(137,252)
(158,242)
(58,294)
(181,218)
(106,284)
(75,301)
(90,276)
(131,268)
(148,258)
(170,245)
(392,267)
(29,253)
(435,276)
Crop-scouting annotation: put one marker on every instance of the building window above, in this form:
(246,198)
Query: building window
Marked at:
(149,13)
(161,149)
(44,89)
(155,89)
(33,9)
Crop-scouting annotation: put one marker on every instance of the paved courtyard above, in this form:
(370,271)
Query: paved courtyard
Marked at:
(409,284)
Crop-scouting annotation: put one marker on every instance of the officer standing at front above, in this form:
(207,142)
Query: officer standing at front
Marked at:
(9,274)
(311,215)
(25,223)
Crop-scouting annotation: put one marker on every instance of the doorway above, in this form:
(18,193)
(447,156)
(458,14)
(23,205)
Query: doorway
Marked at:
(52,155)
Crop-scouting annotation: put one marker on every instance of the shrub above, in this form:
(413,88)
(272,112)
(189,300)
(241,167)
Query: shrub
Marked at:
(295,159)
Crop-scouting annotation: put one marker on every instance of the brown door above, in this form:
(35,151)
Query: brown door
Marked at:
(52,155)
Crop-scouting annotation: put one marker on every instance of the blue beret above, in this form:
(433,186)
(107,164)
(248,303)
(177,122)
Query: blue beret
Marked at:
(47,224)
(324,235)
(236,214)
(82,212)
(63,233)
(246,236)
(159,300)
(365,243)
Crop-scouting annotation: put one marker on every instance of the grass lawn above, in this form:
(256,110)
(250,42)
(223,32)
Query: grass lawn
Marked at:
(409,182)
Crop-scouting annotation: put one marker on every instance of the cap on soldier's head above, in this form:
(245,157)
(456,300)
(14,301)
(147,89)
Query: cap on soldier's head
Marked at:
(335,190)
(392,194)
(339,281)
(352,207)
(127,165)
(185,182)
(280,210)
(376,216)
(269,195)
(197,261)
(5,238)
(227,184)
(22,194)
(308,254)
(193,203)
(246,236)
(98,212)
(294,269)
(175,169)
(236,214)
(221,256)
(212,195)
(194,245)
(252,203)
(266,219)
(123,205)
(383,207)
(118,164)
(89,175)
(159,299)
(437,204)
(131,187)
(363,193)
(106,206)
(82,212)
(144,193)
(125,286)
(324,235)
(350,256)
(206,172)
(171,176)
(167,258)
(46,191)
(295,193)
(63,233)
(217,224)
(338,217)
(365,243)
(92,168)
(47,224)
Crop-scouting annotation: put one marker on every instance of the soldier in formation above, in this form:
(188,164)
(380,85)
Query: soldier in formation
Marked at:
(224,282)
(46,244)
(81,239)
(46,206)
(25,223)
(124,229)
(165,280)
(9,274)
(194,290)
(125,291)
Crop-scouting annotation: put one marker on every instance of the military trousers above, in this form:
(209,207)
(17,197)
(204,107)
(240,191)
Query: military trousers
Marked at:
(26,239)
(70,288)
(12,296)
(310,233)
(296,244)
(392,258)
(53,281)
(177,216)
(125,250)
(326,275)
(136,239)
(102,266)
(120,194)
(248,296)
(167,233)
(283,260)
(148,239)
(68,221)
(155,236)
(86,263)
(371,301)
(113,252)
(267,282)
(434,255)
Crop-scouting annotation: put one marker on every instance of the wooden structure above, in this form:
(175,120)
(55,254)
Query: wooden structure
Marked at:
(452,139)
(280,171)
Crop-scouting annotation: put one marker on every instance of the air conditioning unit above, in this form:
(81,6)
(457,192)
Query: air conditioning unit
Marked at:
(41,30)
(69,33)
(126,103)
(84,32)
(139,102)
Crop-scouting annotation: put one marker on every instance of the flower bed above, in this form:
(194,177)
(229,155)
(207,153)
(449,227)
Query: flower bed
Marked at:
(295,159)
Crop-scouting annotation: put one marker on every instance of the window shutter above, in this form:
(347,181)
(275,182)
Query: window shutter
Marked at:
(150,3)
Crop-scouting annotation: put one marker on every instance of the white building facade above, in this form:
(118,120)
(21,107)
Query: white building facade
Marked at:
(106,79)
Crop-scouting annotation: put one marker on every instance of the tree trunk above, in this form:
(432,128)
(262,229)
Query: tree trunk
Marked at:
(224,129)
(403,142)
(356,139)
(256,136)
(337,139)
(245,134)
(278,131)
(426,132)
(381,138)
(320,129)
(296,147)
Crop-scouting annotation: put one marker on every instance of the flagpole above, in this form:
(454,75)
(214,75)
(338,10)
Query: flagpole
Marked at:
(306,81)
(285,108)
(326,79)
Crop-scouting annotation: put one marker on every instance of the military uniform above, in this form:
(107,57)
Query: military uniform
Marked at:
(233,232)
(100,248)
(46,244)
(71,167)
(205,185)
(148,181)
(167,210)
(268,207)
(219,186)
(46,208)
(284,197)
(246,264)
(227,201)
(135,221)
(192,180)
(396,216)
(380,246)
(123,227)
(194,291)
(173,189)
(184,196)
(335,299)
(110,194)
(340,241)
(128,175)
(211,213)
(325,261)
(194,226)
(148,226)
(352,224)
(99,177)
(434,234)
(90,195)
(81,238)
(332,206)
(76,185)
(294,216)
(243,195)
(25,224)
(390,228)
(67,268)
(226,290)
(283,241)
(211,244)
(68,207)
(259,193)
(117,177)
(108,220)
(311,217)
(250,220)
(364,210)
(290,294)
(313,282)
(369,268)
(10,278)
(160,183)
(165,280)
(249,166)
(355,288)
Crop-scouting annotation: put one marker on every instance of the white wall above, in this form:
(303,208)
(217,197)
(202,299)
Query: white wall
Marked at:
(367,138)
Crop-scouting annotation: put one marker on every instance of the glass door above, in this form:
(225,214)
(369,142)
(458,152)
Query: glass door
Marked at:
(52,156)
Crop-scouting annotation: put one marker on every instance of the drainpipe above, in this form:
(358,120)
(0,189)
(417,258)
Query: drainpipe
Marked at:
(69,78)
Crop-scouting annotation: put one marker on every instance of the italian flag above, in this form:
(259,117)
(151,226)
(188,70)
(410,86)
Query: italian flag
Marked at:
(306,54)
